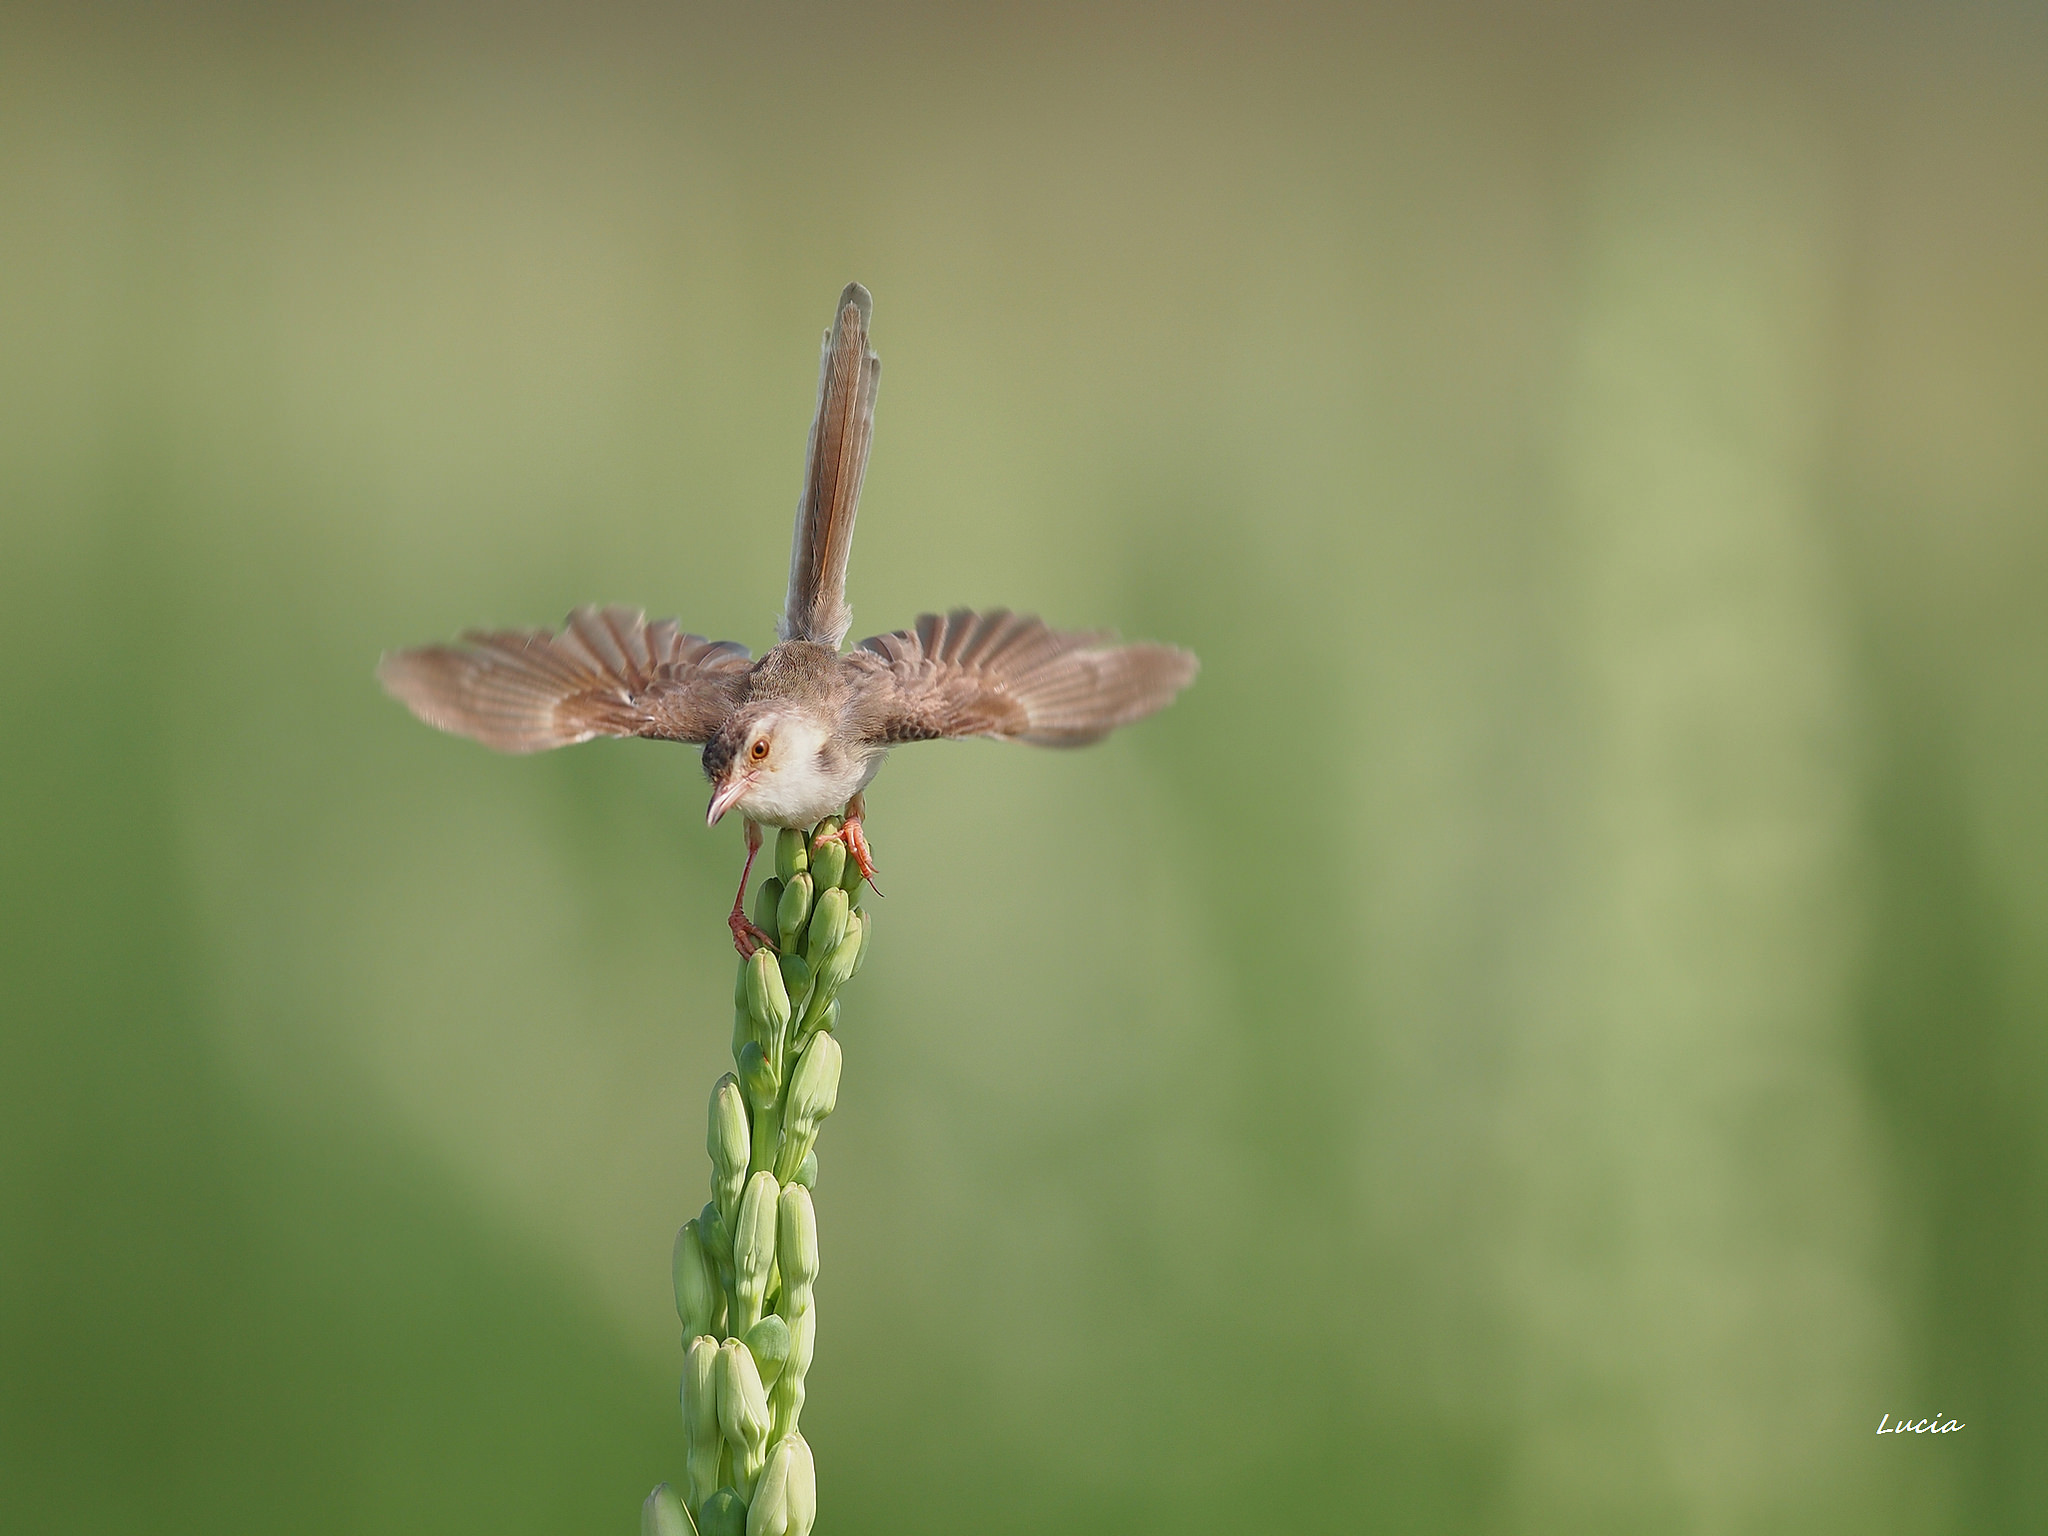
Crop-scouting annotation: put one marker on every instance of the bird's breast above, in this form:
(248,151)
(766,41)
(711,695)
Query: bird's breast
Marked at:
(804,794)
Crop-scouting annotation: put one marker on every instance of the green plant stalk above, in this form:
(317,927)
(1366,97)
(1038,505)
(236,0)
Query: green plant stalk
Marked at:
(745,1267)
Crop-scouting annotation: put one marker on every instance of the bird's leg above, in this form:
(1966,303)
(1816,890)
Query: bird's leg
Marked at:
(856,840)
(747,938)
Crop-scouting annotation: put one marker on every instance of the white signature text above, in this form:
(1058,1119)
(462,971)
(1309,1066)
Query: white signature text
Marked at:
(1933,1426)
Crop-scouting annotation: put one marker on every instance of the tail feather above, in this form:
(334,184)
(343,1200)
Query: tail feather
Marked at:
(835,464)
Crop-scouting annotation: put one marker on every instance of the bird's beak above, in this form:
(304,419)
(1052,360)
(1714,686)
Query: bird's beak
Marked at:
(728,792)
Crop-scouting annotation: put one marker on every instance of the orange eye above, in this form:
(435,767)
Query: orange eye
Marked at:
(759,749)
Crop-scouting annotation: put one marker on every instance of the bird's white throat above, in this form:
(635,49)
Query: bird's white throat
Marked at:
(803,781)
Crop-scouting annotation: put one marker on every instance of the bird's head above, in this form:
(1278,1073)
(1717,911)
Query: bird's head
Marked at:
(762,760)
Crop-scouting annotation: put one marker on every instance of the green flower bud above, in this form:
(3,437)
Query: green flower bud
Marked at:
(828,926)
(715,1236)
(700,1417)
(753,1248)
(786,1498)
(830,977)
(663,1514)
(768,1343)
(742,1016)
(786,1403)
(794,910)
(803,1487)
(803,1338)
(796,1246)
(828,860)
(729,1143)
(768,1510)
(767,1136)
(742,1414)
(813,1093)
(828,1020)
(867,929)
(763,1086)
(758,1078)
(767,899)
(700,1302)
(792,854)
(796,979)
(767,999)
(807,1172)
(723,1514)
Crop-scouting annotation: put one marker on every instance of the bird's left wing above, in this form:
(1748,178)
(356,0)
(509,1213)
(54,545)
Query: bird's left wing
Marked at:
(1009,676)
(608,673)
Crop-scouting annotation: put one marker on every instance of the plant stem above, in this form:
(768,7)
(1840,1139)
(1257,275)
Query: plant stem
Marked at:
(755,1245)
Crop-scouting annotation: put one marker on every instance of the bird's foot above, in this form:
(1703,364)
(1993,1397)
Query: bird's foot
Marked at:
(849,832)
(747,936)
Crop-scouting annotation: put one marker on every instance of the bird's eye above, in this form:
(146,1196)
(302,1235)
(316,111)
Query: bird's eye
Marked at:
(760,748)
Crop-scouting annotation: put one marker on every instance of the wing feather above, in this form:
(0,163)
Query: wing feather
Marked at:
(608,673)
(1010,676)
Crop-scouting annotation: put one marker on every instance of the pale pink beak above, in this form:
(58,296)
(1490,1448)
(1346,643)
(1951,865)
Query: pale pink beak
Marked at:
(727,793)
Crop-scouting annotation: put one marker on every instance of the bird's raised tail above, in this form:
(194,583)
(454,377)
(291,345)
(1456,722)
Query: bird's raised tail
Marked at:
(837,459)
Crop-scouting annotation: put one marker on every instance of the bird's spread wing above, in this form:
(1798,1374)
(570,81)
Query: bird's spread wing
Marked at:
(608,673)
(1008,675)
(836,460)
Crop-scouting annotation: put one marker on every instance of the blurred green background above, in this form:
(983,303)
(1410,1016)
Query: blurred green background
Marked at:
(1545,1036)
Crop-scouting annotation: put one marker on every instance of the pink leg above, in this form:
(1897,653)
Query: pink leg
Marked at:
(747,938)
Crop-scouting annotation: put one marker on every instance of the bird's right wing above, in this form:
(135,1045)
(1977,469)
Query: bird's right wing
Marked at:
(834,465)
(608,673)
(1009,676)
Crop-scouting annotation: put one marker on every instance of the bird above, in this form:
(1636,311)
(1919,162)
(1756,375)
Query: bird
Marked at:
(795,737)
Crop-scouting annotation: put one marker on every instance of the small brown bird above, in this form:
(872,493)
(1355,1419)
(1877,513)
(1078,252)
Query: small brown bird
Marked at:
(797,736)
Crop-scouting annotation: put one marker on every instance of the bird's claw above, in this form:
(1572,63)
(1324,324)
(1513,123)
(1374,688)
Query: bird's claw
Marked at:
(747,936)
(856,841)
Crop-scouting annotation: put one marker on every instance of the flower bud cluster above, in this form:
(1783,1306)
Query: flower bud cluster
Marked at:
(746,1266)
